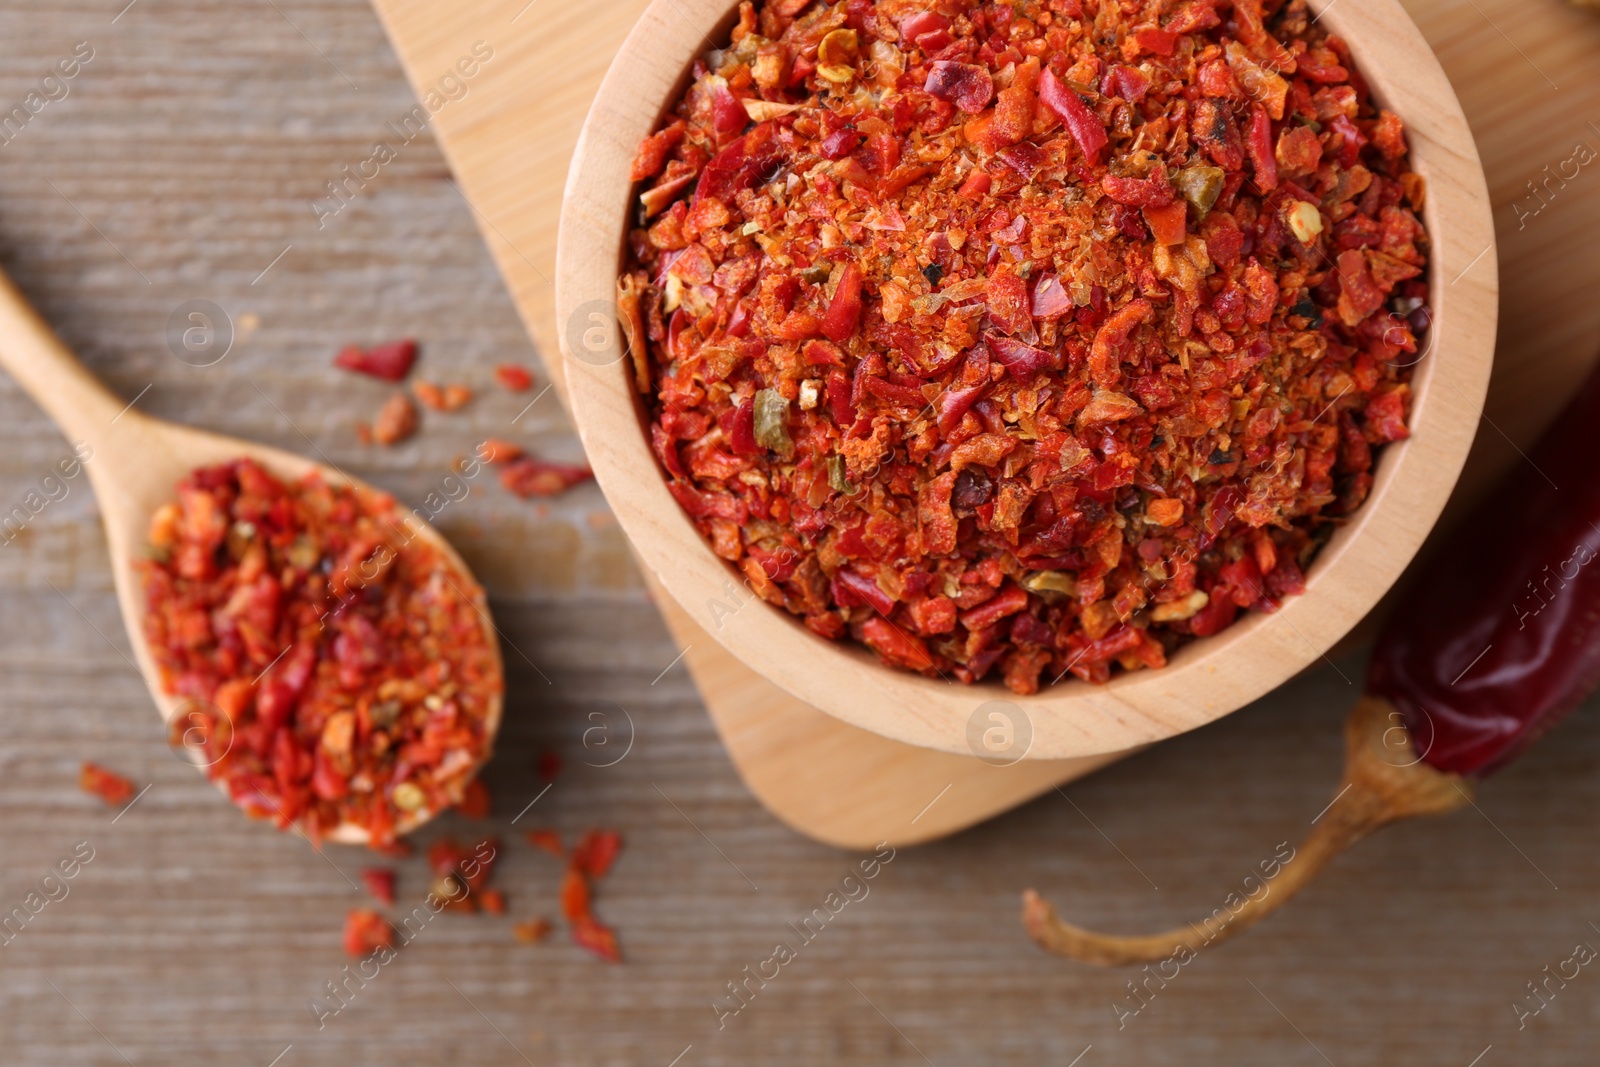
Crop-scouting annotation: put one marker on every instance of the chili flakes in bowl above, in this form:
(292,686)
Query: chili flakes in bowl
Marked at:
(1024,338)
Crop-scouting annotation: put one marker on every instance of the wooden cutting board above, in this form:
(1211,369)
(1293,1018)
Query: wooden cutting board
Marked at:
(1525,74)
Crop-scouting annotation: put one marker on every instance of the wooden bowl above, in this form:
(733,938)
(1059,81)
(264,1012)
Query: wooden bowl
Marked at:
(1205,679)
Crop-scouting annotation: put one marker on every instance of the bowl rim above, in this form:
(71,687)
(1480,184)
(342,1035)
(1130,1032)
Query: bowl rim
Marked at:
(1205,679)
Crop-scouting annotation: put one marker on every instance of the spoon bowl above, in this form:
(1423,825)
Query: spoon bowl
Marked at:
(134,465)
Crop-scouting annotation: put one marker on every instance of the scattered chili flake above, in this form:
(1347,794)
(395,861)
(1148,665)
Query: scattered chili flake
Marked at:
(475,802)
(380,883)
(461,874)
(548,840)
(109,786)
(529,477)
(596,852)
(575,895)
(597,938)
(495,450)
(477,867)
(396,421)
(532,931)
(391,361)
(445,855)
(428,394)
(446,398)
(514,378)
(548,765)
(365,931)
(591,860)
(494,901)
(345,659)
(1000,341)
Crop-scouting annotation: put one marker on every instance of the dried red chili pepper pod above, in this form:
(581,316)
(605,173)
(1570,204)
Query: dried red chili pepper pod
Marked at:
(1471,659)
(1491,646)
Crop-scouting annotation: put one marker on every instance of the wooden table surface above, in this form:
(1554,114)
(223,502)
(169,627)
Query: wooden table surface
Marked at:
(182,165)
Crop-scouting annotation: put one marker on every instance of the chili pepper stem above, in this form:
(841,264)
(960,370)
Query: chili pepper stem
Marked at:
(1384,781)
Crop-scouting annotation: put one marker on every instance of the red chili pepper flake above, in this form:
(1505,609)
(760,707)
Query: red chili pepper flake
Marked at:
(391,361)
(597,938)
(345,659)
(575,895)
(380,883)
(529,477)
(1088,131)
(591,860)
(109,786)
(449,856)
(548,765)
(461,874)
(365,931)
(994,350)
(445,856)
(513,378)
(445,398)
(494,901)
(596,852)
(428,394)
(495,450)
(475,802)
(532,931)
(480,864)
(966,85)
(548,840)
(396,421)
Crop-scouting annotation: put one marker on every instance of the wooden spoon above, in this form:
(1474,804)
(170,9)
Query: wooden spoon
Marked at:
(134,467)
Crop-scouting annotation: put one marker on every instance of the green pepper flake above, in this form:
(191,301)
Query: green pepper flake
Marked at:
(772,416)
(1200,185)
(837,476)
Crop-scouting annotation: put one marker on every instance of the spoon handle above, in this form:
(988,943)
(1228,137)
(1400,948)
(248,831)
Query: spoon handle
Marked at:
(34,356)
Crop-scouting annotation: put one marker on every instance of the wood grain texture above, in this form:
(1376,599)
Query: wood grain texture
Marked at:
(1203,680)
(195,142)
